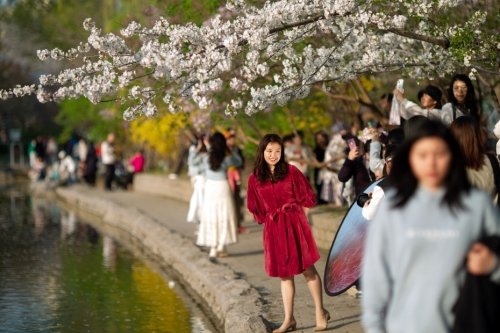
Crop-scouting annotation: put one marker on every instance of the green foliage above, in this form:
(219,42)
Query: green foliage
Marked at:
(309,115)
(81,116)
(192,10)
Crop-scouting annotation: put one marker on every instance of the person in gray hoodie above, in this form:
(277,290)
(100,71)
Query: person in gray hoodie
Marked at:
(424,237)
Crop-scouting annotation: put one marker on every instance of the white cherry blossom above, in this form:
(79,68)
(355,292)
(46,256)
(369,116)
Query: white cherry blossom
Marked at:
(273,54)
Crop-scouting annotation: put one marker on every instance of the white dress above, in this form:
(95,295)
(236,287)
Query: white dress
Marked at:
(218,219)
(196,202)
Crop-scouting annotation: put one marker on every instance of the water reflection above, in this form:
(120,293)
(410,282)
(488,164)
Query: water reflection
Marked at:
(68,224)
(58,274)
(109,253)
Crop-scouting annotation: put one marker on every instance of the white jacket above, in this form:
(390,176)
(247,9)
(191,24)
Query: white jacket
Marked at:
(67,164)
(108,153)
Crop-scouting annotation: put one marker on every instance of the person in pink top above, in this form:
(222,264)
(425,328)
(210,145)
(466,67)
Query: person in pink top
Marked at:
(136,164)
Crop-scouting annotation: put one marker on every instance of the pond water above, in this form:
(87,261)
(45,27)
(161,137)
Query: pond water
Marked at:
(59,274)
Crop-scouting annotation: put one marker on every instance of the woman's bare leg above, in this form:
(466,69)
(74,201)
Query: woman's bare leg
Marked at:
(288,294)
(314,283)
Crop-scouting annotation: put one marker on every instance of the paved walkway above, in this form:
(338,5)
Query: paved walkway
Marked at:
(247,259)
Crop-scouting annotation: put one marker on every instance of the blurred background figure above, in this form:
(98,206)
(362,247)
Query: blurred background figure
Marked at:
(480,166)
(90,165)
(378,194)
(430,100)
(108,159)
(321,139)
(67,167)
(196,170)
(80,160)
(377,149)
(288,140)
(51,151)
(299,154)
(386,103)
(38,171)
(136,165)
(412,123)
(462,100)
(234,178)
(32,152)
(186,143)
(40,147)
(357,167)
(335,155)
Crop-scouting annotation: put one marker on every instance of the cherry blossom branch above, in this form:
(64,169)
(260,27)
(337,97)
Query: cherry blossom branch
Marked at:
(443,42)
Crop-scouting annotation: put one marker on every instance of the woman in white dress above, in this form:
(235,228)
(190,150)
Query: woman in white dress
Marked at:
(218,220)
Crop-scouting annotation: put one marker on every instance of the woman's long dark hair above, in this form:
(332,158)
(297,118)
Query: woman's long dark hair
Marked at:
(414,122)
(261,169)
(325,137)
(467,132)
(218,150)
(471,104)
(404,181)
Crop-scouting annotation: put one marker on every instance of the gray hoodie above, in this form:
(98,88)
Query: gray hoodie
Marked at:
(414,259)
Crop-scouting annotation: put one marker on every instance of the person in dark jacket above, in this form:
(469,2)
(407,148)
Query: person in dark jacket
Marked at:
(478,307)
(321,139)
(90,165)
(357,165)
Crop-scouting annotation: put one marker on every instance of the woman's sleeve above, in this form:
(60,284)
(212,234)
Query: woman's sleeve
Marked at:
(347,171)
(192,154)
(376,278)
(447,114)
(376,161)
(411,109)
(254,203)
(302,189)
(377,196)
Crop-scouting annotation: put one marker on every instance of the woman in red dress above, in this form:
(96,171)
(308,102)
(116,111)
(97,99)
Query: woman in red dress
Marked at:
(280,196)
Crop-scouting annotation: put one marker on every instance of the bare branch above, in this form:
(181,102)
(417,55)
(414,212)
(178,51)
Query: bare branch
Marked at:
(443,42)
(486,70)
(376,111)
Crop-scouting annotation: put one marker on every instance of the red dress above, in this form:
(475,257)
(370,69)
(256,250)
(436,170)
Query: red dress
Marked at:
(289,247)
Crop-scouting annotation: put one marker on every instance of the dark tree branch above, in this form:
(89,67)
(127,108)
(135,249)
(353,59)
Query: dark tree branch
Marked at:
(443,42)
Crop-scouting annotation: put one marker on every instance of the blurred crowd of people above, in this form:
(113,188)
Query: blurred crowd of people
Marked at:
(432,252)
(433,247)
(79,160)
(347,158)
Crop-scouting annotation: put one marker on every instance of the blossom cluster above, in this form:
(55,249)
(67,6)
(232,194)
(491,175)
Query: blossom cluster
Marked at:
(189,62)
